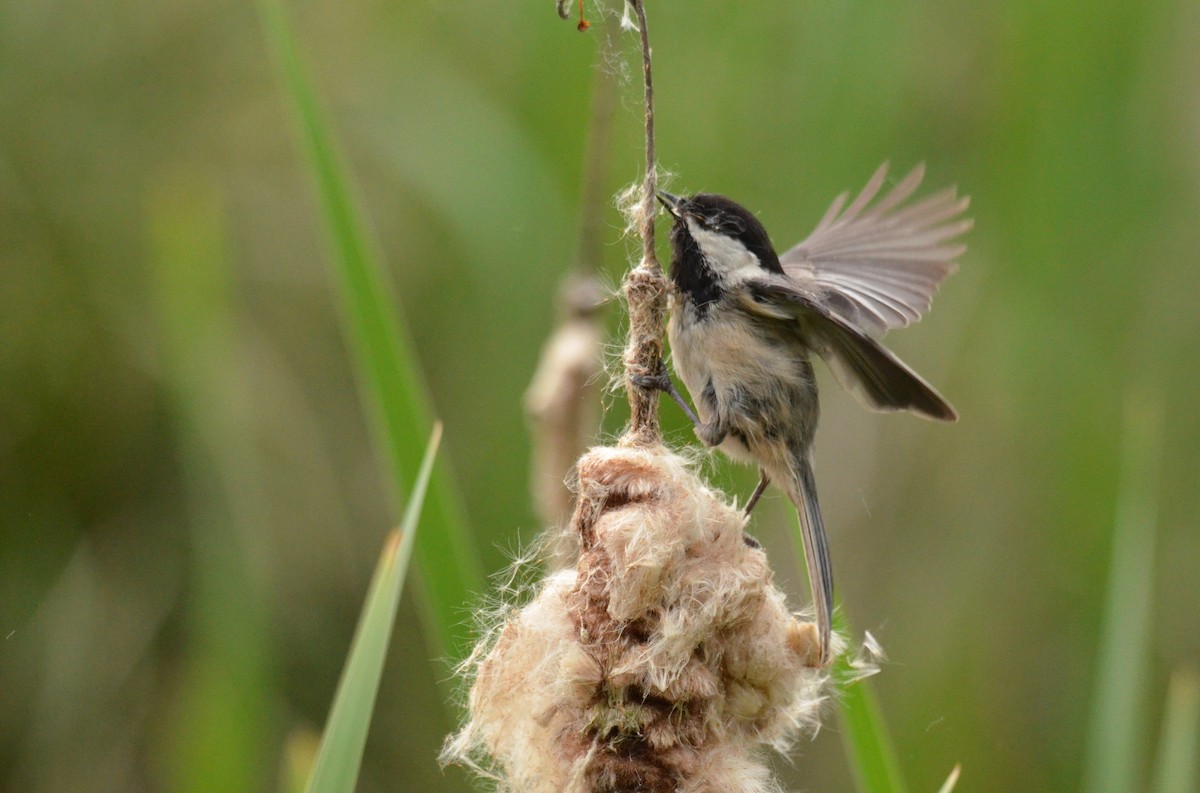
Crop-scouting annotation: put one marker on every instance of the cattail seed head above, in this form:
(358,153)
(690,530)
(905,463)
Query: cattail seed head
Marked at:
(665,661)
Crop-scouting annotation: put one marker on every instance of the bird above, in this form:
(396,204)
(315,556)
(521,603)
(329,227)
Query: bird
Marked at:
(745,323)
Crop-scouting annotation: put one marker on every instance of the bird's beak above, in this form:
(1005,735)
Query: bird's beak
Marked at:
(671,202)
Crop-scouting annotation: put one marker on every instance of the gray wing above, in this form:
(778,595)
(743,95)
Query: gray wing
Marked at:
(878,266)
(862,365)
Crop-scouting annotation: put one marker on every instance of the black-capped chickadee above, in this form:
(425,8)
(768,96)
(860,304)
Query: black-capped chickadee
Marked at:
(745,322)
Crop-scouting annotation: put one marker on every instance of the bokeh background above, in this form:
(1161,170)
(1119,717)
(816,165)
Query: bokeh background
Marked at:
(190,506)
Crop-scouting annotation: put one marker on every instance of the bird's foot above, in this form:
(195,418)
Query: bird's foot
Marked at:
(662,382)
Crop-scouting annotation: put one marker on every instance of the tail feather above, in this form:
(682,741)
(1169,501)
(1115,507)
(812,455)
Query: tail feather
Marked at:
(816,549)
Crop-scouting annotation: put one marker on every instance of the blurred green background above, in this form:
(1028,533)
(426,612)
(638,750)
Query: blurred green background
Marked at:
(190,503)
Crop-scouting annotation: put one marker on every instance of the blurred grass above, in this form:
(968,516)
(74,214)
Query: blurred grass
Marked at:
(978,554)
(340,755)
(951,780)
(1177,769)
(870,750)
(1118,724)
(299,755)
(388,377)
(223,724)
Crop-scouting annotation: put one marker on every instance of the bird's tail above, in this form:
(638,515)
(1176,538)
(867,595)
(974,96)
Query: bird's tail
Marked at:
(803,492)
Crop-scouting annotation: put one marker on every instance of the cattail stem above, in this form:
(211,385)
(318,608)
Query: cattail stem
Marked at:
(645,287)
(650,184)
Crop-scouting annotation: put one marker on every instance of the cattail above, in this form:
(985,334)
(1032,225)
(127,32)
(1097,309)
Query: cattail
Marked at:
(666,661)
(562,403)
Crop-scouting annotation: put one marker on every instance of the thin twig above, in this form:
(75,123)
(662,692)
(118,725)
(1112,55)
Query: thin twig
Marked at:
(645,287)
(650,185)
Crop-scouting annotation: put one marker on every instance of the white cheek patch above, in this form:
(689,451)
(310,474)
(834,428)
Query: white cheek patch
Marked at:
(728,258)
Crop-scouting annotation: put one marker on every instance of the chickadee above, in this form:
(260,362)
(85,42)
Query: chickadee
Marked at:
(746,321)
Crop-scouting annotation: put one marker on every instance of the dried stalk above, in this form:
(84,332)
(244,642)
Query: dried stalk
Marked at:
(645,287)
(562,402)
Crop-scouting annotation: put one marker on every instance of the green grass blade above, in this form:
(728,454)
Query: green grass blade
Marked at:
(340,755)
(868,742)
(865,734)
(1114,759)
(388,376)
(1179,748)
(951,781)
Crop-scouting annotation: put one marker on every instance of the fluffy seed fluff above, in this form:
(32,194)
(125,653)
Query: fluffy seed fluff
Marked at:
(630,202)
(666,660)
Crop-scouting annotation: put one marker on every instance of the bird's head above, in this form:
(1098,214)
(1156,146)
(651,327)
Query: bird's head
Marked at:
(715,243)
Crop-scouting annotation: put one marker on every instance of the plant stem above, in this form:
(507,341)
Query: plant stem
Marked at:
(645,287)
(650,185)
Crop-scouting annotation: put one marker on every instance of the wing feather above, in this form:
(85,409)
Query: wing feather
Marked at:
(878,265)
(862,365)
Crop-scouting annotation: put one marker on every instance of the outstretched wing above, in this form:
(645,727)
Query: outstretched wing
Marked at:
(879,266)
(862,365)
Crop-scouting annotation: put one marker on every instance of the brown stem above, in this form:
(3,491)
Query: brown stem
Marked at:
(650,185)
(645,288)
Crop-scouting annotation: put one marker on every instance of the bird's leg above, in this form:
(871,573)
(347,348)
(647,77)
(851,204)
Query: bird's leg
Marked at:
(763,481)
(662,382)
(711,433)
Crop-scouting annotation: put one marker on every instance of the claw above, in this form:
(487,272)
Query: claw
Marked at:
(662,382)
(658,382)
(763,481)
